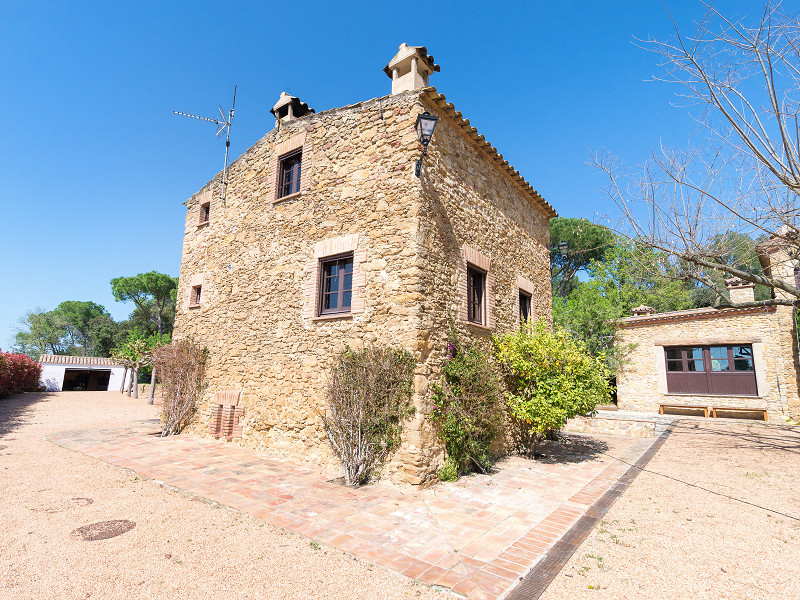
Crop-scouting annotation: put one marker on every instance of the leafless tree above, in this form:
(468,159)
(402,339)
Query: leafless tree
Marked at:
(182,367)
(740,79)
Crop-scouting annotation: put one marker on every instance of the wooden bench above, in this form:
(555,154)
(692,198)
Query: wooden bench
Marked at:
(661,408)
(714,410)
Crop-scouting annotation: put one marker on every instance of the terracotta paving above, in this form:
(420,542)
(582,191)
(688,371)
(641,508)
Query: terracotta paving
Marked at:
(478,536)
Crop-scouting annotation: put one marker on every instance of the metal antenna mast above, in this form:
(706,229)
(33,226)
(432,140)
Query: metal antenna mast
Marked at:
(223,124)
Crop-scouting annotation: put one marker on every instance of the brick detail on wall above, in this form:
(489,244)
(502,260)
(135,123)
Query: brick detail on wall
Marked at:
(225,419)
(332,247)
(291,144)
(198,279)
(473,257)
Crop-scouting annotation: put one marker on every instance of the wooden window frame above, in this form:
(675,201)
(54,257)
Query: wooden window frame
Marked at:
(474,272)
(525,300)
(343,258)
(297,169)
(709,382)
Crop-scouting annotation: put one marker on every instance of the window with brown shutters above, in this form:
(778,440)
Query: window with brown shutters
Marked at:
(289,170)
(711,370)
(476,295)
(336,284)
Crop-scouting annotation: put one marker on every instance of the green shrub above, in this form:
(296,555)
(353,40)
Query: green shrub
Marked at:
(468,406)
(369,396)
(549,378)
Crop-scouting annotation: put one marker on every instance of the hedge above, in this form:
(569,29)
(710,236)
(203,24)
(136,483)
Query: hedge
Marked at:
(18,373)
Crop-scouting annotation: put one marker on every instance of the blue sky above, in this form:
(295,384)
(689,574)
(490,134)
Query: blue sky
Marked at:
(94,166)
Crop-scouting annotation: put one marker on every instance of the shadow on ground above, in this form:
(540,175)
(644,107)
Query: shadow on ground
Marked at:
(570,448)
(17,410)
(747,435)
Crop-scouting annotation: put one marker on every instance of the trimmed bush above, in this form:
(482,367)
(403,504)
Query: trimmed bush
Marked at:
(18,373)
(468,407)
(182,368)
(550,378)
(369,396)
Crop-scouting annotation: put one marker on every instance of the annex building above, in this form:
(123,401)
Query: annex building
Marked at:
(723,361)
(328,238)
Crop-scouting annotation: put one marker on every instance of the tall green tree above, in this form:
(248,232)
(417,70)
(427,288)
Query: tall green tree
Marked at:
(587,243)
(79,328)
(40,332)
(152,293)
(629,275)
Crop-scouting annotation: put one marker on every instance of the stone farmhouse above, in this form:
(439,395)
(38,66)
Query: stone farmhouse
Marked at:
(328,238)
(715,361)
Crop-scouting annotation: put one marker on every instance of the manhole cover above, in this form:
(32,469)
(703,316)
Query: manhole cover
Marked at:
(102,530)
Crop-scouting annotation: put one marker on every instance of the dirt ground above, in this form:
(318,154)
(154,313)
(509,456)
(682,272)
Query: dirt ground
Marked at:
(179,548)
(667,539)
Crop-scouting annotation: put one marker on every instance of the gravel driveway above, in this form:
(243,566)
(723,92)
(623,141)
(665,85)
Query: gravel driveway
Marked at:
(668,539)
(180,547)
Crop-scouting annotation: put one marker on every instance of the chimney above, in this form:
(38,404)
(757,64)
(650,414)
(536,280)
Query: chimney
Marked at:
(410,68)
(740,290)
(643,311)
(288,108)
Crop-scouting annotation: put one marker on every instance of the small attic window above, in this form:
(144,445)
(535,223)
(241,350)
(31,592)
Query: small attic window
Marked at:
(194,301)
(205,213)
(289,172)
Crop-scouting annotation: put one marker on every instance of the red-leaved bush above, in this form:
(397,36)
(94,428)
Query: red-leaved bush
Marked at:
(18,373)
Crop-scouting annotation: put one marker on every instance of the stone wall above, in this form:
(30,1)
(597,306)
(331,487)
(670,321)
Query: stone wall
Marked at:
(641,382)
(256,262)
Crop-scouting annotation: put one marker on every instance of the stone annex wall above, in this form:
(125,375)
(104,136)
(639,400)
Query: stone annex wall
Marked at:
(256,261)
(641,383)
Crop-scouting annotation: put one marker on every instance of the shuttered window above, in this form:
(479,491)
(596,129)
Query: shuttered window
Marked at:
(712,370)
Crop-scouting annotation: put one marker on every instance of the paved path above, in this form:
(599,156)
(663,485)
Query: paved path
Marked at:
(478,536)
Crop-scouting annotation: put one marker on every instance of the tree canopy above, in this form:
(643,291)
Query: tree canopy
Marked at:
(588,243)
(152,293)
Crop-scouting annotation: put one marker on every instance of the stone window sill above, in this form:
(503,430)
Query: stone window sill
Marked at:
(203,224)
(333,316)
(477,325)
(193,306)
(295,196)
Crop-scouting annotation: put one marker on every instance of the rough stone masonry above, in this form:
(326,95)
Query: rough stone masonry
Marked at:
(250,274)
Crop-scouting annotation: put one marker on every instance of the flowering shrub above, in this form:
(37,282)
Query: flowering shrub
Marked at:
(550,379)
(18,373)
(468,407)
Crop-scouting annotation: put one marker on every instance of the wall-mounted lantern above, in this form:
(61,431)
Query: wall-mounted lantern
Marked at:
(424,127)
(563,249)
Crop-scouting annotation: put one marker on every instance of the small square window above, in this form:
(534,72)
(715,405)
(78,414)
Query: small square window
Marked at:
(335,285)
(524,306)
(289,173)
(476,294)
(205,212)
(196,295)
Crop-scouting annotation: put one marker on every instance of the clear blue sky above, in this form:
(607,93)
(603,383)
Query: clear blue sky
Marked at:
(94,166)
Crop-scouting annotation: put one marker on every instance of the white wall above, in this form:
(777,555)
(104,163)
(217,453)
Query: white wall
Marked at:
(53,375)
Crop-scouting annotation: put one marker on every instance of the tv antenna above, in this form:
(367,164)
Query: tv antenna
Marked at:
(224,123)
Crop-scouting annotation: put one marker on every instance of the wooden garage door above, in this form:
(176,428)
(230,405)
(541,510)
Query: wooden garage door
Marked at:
(712,370)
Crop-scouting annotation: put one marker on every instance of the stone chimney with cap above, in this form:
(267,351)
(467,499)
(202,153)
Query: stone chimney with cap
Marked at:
(643,311)
(288,108)
(740,290)
(410,68)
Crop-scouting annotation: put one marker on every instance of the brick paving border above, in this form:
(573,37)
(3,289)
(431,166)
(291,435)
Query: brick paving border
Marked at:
(537,580)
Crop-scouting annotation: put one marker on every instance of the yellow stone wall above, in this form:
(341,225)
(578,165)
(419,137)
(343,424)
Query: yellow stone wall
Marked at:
(255,261)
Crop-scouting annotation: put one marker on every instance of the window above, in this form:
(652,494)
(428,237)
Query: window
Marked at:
(289,174)
(196,293)
(336,284)
(476,294)
(205,212)
(723,370)
(524,306)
